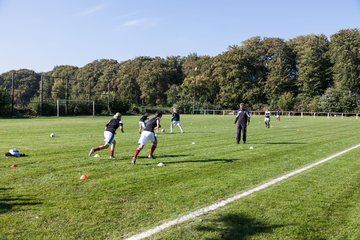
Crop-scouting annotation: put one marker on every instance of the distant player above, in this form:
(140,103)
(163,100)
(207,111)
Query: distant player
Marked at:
(109,135)
(148,134)
(278,115)
(175,121)
(267,118)
(142,121)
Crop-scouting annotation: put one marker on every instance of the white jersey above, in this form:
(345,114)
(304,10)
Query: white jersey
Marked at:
(267,116)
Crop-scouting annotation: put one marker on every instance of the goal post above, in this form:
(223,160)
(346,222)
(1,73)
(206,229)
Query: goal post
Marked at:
(64,101)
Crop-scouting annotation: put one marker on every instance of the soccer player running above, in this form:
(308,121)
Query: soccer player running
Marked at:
(267,118)
(175,120)
(142,121)
(109,135)
(242,120)
(148,134)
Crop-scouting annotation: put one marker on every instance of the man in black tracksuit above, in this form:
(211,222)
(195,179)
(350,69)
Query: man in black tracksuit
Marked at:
(242,120)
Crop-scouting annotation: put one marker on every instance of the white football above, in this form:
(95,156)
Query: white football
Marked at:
(52,135)
(162,130)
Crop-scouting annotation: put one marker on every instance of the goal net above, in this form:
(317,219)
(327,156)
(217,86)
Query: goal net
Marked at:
(75,107)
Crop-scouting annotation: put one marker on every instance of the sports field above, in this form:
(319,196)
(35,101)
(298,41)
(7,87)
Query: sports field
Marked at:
(43,198)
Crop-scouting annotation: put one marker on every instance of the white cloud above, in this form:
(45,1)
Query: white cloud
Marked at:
(134,23)
(92,10)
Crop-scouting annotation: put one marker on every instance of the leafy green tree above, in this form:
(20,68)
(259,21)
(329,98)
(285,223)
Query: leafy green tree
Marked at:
(154,79)
(5,102)
(198,88)
(173,95)
(241,73)
(279,60)
(232,75)
(64,78)
(337,100)
(286,101)
(345,55)
(126,82)
(313,64)
(26,85)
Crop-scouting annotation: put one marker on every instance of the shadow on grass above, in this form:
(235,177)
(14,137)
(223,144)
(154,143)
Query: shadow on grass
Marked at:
(204,161)
(187,133)
(280,143)
(166,156)
(236,226)
(195,161)
(7,204)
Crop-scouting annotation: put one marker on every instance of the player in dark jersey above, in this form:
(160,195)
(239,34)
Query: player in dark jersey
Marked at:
(278,115)
(109,135)
(242,120)
(175,120)
(148,134)
(142,121)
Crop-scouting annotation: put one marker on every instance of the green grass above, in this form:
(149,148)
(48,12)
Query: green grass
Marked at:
(44,199)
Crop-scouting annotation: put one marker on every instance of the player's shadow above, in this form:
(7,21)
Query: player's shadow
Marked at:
(236,226)
(169,156)
(280,143)
(204,161)
(7,203)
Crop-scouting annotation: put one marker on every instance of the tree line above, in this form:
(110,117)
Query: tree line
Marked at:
(308,73)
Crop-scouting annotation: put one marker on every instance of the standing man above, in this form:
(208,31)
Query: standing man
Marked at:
(148,134)
(267,118)
(175,120)
(242,120)
(109,135)
(142,121)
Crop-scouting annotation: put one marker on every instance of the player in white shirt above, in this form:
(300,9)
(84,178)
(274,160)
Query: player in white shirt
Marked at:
(267,118)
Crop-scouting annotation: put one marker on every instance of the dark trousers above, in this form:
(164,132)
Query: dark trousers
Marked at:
(240,128)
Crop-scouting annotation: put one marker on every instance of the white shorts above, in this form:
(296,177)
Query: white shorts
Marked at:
(109,137)
(146,136)
(267,120)
(142,124)
(175,123)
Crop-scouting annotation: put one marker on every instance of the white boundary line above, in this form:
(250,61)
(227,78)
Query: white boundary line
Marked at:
(222,203)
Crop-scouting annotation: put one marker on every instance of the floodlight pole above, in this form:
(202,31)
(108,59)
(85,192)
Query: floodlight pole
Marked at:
(93,108)
(193,110)
(108,93)
(41,94)
(12,93)
(57,107)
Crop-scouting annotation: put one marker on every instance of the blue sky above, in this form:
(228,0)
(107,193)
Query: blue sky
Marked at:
(41,34)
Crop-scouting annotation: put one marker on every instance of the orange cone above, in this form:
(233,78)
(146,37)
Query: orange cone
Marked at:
(13,166)
(84,177)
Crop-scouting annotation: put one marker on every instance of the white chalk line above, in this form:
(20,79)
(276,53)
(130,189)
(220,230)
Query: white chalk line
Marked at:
(222,203)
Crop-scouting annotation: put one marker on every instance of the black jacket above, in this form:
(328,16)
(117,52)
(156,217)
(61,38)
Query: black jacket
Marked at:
(242,118)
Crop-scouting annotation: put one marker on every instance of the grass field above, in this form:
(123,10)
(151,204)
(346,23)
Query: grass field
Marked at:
(43,198)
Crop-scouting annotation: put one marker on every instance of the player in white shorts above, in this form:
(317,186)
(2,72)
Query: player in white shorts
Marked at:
(148,134)
(109,135)
(267,118)
(175,121)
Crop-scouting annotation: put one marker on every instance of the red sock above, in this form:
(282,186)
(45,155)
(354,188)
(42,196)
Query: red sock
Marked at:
(111,153)
(153,147)
(100,148)
(137,152)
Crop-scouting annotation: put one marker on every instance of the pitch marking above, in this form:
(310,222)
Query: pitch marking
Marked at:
(222,203)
